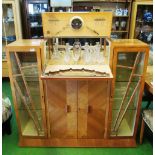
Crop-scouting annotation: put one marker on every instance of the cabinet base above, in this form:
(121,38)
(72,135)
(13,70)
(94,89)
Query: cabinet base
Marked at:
(33,142)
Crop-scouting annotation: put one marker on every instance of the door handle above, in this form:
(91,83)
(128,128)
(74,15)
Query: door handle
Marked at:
(68,108)
(89,109)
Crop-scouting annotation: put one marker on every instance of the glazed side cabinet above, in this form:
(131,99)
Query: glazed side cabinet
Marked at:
(129,60)
(27,89)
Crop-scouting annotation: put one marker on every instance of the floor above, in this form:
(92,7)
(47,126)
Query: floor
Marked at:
(10,143)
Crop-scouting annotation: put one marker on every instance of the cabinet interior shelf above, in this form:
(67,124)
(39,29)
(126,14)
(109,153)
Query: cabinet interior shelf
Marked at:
(141,21)
(120,16)
(97,1)
(36,26)
(8,21)
(35,14)
(4,60)
(119,31)
(37,37)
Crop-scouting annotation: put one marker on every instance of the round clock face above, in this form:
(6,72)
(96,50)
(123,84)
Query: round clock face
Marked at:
(76,23)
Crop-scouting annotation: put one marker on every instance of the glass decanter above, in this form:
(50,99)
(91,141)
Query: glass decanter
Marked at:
(55,54)
(97,51)
(67,53)
(87,53)
(76,51)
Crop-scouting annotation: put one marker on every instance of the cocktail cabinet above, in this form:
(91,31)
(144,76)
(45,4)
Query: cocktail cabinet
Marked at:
(77,95)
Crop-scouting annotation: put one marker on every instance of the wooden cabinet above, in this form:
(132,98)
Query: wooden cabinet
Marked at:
(27,89)
(77,109)
(121,13)
(128,64)
(75,103)
(31,17)
(11,28)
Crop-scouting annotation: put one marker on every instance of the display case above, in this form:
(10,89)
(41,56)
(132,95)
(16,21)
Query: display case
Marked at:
(141,26)
(32,22)
(129,60)
(89,96)
(11,28)
(24,60)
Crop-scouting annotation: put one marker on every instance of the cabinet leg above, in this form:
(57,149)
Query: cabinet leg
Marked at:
(142,131)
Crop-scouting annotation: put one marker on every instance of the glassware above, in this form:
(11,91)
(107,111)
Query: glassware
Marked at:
(67,53)
(97,51)
(100,59)
(87,53)
(76,51)
(55,54)
(123,25)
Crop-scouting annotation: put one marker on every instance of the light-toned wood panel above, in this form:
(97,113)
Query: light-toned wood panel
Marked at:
(83,95)
(93,98)
(98,94)
(119,142)
(62,108)
(96,124)
(93,24)
(5,72)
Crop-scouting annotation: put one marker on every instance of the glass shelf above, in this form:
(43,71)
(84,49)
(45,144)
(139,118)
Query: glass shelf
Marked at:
(9,38)
(36,26)
(120,16)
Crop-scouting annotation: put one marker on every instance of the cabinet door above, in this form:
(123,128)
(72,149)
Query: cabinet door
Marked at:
(62,108)
(27,92)
(93,98)
(128,70)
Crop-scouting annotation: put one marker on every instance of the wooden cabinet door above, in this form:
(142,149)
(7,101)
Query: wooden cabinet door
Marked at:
(62,108)
(93,98)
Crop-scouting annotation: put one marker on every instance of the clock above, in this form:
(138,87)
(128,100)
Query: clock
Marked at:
(76,22)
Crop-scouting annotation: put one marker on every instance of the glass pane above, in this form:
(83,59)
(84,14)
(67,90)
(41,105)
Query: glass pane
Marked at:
(129,69)
(27,90)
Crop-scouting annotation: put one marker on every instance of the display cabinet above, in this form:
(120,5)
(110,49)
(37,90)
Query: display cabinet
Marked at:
(141,26)
(11,28)
(129,60)
(24,60)
(121,13)
(32,22)
(77,95)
